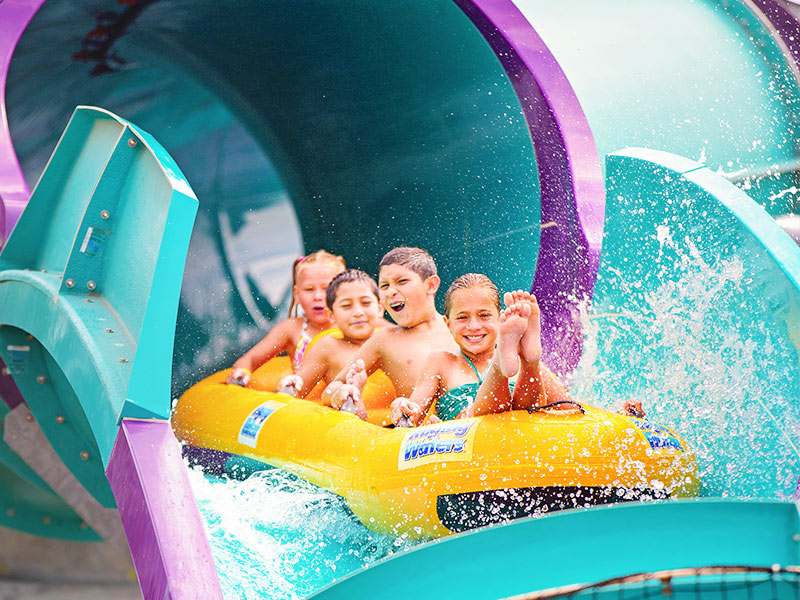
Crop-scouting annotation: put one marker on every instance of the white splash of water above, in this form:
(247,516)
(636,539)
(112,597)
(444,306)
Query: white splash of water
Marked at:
(274,536)
(692,348)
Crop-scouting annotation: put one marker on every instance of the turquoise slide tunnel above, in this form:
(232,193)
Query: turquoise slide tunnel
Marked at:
(476,129)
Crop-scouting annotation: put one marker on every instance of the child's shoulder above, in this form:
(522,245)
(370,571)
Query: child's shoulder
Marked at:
(443,358)
(327,343)
(291,324)
(386,332)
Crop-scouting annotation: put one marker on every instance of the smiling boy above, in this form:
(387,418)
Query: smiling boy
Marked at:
(352,299)
(407,286)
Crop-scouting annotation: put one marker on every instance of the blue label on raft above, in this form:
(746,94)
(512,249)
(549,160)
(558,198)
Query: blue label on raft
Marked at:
(657,436)
(248,434)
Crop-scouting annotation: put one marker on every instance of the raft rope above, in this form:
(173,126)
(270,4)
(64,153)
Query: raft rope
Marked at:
(532,409)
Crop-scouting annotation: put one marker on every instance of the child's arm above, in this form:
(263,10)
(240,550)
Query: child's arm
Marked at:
(314,367)
(427,389)
(370,352)
(278,339)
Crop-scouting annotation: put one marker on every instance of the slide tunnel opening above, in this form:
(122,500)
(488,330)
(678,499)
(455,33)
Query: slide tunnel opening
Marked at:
(300,126)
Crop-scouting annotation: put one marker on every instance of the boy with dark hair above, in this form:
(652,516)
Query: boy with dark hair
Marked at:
(407,286)
(352,299)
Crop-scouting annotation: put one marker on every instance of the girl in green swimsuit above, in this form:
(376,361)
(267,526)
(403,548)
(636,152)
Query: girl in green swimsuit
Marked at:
(480,378)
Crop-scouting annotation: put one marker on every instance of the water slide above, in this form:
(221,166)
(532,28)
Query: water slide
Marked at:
(635,153)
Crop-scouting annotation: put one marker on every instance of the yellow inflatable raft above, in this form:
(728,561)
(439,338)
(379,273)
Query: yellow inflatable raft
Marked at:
(448,477)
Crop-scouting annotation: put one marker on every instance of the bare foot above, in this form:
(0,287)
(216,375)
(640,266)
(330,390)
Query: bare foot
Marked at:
(513,323)
(530,346)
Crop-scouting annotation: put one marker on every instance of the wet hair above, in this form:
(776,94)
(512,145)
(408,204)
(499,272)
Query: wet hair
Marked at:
(346,277)
(467,281)
(415,259)
(320,257)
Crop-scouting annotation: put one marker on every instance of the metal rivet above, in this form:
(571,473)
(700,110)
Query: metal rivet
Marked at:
(10,512)
(70,283)
(29,417)
(47,520)
(104,214)
(84,455)
(123,360)
(41,379)
(132,142)
(91,285)
(796,537)
(6,371)
(30,337)
(60,419)
(84,525)
(109,330)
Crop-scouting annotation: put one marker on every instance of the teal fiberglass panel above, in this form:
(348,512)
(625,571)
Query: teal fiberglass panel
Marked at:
(700,79)
(246,234)
(697,313)
(388,124)
(593,546)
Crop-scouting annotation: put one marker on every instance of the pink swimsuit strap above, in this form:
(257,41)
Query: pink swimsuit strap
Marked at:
(302,346)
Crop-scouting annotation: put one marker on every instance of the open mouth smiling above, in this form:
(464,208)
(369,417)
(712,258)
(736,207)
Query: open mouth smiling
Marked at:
(397,306)
(474,339)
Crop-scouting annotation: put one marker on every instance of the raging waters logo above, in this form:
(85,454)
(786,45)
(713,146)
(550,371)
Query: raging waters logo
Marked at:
(451,441)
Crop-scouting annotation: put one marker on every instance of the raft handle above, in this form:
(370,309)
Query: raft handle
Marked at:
(238,381)
(349,405)
(532,409)
(405,421)
(288,389)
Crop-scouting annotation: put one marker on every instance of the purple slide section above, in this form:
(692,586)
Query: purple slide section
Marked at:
(9,392)
(573,194)
(785,25)
(14,192)
(159,513)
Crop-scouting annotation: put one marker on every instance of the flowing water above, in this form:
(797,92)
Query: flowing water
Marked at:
(275,536)
(693,343)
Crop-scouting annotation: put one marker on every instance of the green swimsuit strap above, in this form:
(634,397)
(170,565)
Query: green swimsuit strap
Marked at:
(480,377)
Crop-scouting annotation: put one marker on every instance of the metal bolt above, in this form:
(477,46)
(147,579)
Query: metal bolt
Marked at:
(29,417)
(796,537)
(10,512)
(123,360)
(91,285)
(109,330)
(70,283)
(47,520)
(60,419)
(84,455)
(41,379)
(6,371)
(104,214)
(132,142)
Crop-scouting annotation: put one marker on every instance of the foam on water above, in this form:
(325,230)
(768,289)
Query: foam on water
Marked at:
(275,536)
